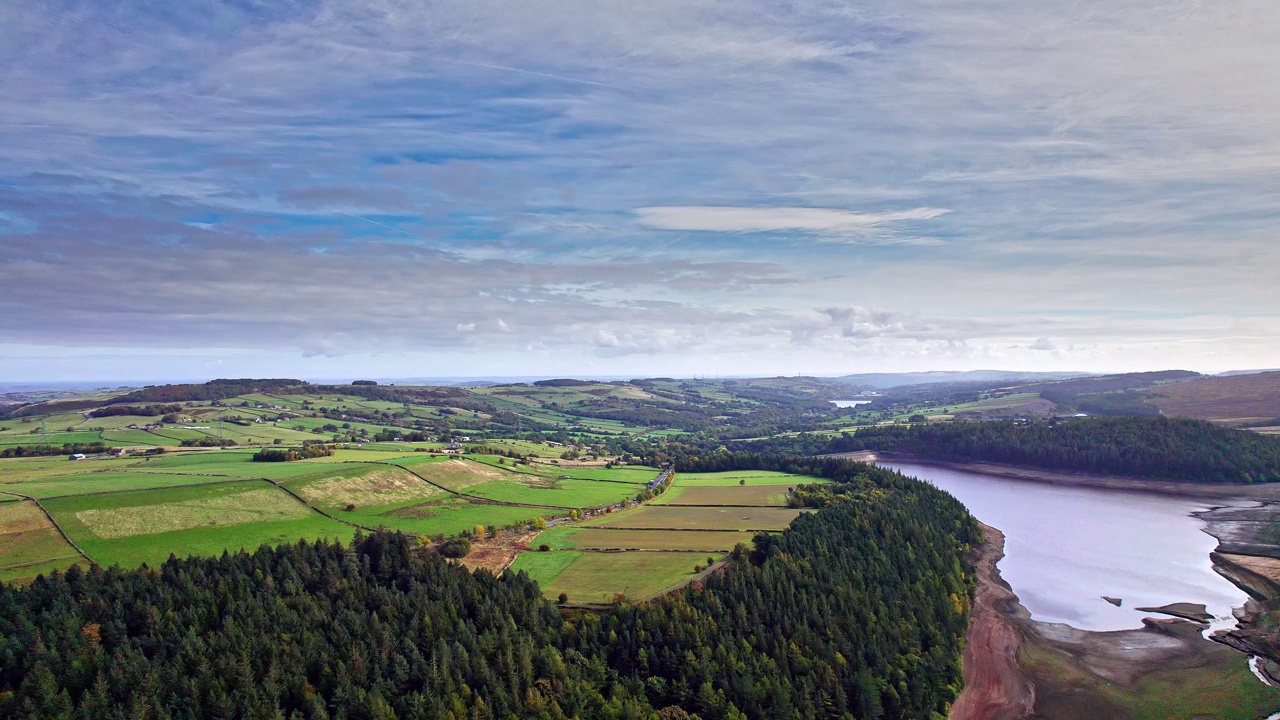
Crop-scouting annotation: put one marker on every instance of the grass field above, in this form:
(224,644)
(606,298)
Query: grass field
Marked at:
(597,577)
(107,482)
(588,538)
(234,463)
(453,473)
(27,537)
(365,485)
(674,517)
(758,495)
(146,526)
(644,550)
(570,493)
(449,515)
(733,477)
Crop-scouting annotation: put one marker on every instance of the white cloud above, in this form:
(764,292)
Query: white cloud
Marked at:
(466,327)
(822,221)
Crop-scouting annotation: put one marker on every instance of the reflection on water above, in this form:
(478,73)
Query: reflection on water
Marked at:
(1065,548)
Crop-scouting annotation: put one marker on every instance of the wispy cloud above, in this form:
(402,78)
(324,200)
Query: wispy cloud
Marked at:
(826,222)
(983,180)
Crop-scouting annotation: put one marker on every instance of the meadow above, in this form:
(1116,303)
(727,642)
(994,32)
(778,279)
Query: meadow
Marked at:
(651,548)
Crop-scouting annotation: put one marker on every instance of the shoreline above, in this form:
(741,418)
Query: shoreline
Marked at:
(995,687)
(1016,667)
(1078,479)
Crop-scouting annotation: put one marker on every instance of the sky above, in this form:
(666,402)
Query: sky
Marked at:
(324,189)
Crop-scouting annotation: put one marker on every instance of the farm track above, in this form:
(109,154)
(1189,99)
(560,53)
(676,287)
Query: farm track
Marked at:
(55,525)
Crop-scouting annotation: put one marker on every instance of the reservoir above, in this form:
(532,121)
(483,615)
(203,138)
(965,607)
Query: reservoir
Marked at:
(849,403)
(1067,547)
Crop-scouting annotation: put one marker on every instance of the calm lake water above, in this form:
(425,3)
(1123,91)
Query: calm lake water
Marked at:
(1067,547)
(849,403)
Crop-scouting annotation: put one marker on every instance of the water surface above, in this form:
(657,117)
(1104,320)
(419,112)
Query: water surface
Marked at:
(1066,547)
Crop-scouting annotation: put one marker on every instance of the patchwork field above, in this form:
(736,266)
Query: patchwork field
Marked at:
(674,517)
(598,577)
(147,526)
(215,510)
(106,482)
(593,538)
(566,493)
(753,495)
(451,473)
(448,515)
(365,486)
(646,550)
(737,477)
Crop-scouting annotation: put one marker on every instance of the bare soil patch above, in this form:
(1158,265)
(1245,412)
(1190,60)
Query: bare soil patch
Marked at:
(497,553)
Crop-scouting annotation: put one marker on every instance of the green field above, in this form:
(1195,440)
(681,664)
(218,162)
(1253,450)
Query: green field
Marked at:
(733,477)
(644,550)
(750,495)
(146,526)
(591,538)
(107,482)
(448,515)
(569,493)
(598,577)
(674,517)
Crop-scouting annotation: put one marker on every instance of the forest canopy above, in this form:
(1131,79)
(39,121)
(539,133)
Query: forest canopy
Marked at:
(1145,447)
(857,610)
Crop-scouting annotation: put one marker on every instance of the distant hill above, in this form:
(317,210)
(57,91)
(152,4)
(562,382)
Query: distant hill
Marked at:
(881,381)
(1238,398)
(1229,373)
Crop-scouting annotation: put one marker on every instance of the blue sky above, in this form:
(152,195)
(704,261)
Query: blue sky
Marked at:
(396,189)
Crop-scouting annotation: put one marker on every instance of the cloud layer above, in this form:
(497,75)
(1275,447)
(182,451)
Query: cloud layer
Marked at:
(660,187)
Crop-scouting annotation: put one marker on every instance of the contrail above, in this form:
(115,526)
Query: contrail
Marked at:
(437,245)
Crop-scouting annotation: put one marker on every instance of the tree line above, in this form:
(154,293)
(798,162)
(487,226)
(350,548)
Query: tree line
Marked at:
(1145,447)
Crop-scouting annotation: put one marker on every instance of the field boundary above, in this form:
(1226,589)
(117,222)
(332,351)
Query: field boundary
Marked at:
(676,529)
(474,498)
(299,498)
(215,483)
(55,524)
(710,505)
(513,471)
(19,566)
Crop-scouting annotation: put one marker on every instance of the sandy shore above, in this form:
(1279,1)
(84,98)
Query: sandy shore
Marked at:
(995,688)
